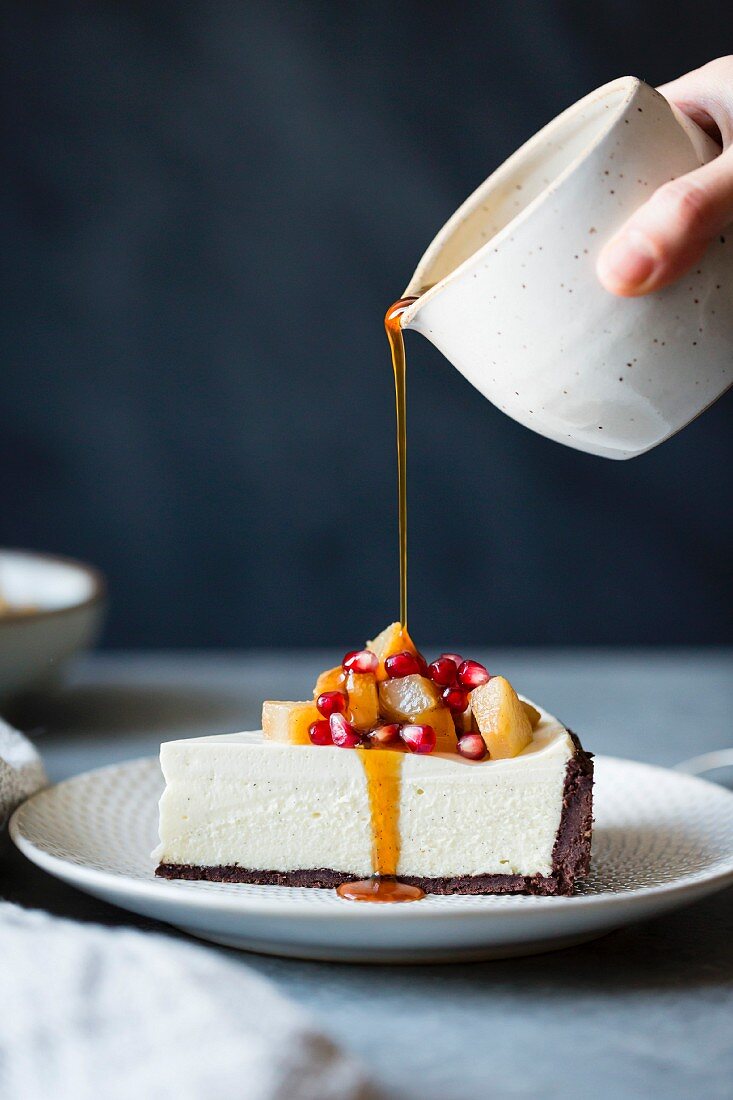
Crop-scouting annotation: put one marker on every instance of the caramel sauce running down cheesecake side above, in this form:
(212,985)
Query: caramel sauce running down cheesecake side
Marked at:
(383,766)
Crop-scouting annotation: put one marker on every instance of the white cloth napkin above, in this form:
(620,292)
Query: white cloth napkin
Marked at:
(89,1012)
(21,770)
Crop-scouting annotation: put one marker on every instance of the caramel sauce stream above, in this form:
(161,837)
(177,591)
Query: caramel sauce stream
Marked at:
(393,327)
(383,767)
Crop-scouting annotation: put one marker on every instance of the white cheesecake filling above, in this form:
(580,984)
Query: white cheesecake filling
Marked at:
(235,799)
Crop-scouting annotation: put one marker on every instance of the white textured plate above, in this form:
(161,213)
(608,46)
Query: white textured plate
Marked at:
(661,840)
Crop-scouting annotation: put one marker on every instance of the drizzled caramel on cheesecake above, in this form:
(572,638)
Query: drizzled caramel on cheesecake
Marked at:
(382,768)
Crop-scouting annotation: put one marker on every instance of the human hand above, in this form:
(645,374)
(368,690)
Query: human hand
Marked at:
(670,232)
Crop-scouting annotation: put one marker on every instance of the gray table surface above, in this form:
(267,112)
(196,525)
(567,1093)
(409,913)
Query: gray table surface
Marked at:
(644,1012)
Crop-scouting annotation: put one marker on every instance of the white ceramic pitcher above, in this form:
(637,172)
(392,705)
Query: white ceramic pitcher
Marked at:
(508,290)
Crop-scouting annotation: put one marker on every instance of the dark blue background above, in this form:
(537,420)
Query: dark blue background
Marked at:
(207,208)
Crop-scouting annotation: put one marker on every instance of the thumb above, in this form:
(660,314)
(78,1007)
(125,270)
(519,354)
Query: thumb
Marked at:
(670,232)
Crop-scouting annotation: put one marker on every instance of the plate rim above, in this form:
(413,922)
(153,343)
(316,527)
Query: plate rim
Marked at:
(184,895)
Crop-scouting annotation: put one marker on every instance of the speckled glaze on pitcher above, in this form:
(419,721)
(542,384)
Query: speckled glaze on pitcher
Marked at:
(508,291)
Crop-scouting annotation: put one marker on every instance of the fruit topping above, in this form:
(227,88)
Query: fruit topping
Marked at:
(402,664)
(331,702)
(456,699)
(402,700)
(464,722)
(387,695)
(472,746)
(532,713)
(472,675)
(360,660)
(343,733)
(419,738)
(361,688)
(501,718)
(320,732)
(441,719)
(288,722)
(333,679)
(393,639)
(385,735)
(443,672)
(454,657)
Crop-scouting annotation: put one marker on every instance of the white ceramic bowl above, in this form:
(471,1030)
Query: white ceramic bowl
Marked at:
(67,601)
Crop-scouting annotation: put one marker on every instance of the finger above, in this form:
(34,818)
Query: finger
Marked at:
(670,232)
(706,96)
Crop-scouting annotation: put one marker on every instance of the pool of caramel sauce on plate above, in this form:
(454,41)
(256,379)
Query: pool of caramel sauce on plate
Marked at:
(383,766)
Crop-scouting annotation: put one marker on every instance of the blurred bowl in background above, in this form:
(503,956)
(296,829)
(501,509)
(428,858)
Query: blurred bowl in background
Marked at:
(51,609)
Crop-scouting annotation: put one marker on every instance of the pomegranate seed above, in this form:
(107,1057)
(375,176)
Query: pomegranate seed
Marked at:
(442,672)
(402,664)
(320,732)
(385,735)
(454,657)
(472,746)
(331,702)
(471,674)
(360,660)
(343,733)
(423,665)
(420,739)
(456,699)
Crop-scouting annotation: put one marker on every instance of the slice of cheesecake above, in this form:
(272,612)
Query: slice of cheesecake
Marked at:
(241,808)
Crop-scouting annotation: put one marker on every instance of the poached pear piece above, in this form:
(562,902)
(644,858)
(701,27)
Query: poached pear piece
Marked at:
(532,713)
(392,640)
(333,679)
(361,690)
(417,700)
(501,718)
(403,699)
(288,723)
